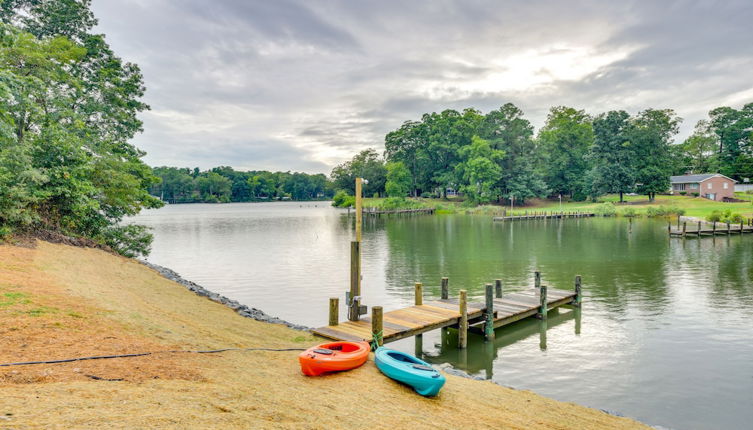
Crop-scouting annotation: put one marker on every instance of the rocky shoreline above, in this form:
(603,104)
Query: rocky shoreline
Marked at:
(241,309)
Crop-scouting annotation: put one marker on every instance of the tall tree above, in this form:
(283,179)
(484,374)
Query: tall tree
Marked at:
(565,142)
(698,153)
(506,130)
(650,136)
(75,112)
(398,179)
(366,164)
(734,129)
(613,154)
(479,171)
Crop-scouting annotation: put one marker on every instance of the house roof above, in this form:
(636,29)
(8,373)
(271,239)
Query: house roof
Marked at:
(684,179)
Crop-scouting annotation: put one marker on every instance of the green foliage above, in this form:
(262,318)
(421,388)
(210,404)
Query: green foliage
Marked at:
(68,108)
(223,184)
(664,211)
(128,240)
(565,142)
(613,155)
(650,137)
(343,200)
(479,170)
(629,213)
(398,179)
(726,216)
(733,129)
(605,209)
(366,164)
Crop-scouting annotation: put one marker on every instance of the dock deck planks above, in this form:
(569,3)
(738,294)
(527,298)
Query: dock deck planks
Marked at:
(414,320)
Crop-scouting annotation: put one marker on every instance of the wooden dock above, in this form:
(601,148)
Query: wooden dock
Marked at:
(699,229)
(497,311)
(543,215)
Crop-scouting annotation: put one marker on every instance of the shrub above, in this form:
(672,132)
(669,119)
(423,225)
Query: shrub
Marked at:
(714,216)
(660,211)
(629,212)
(605,209)
(694,194)
(343,200)
(427,195)
(129,240)
(682,193)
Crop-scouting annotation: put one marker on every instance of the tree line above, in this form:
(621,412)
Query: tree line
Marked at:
(498,157)
(224,184)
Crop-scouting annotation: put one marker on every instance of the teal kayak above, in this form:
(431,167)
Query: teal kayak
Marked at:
(409,370)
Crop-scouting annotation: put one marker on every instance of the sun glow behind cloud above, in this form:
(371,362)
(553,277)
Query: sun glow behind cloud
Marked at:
(526,71)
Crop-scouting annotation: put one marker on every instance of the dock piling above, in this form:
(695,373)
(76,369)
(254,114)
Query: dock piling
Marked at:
(489,325)
(577,300)
(498,288)
(419,294)
(334,311)
(445,288)
(543,303)
(377,325)
(536,280)
(463,324)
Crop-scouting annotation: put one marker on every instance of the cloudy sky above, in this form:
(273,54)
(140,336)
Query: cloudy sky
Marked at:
(303,85)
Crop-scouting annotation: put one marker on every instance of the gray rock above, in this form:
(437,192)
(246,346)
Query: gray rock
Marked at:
(241,309)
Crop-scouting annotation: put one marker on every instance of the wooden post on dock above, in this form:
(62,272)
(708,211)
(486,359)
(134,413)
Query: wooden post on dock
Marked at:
(445,289)
(537,280)
(741,227)
(463,324)
(578,297)
(419,294)
(543,303)
(669,227)
(334,311)
(713,228)
(498,288)
(355,280)
(728,230)
(489,325)
(377,325)
(699,229)
(684,227)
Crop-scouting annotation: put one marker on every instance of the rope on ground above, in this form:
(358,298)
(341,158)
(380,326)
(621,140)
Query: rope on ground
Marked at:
(141,354)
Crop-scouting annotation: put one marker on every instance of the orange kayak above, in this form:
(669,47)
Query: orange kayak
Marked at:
(333,357)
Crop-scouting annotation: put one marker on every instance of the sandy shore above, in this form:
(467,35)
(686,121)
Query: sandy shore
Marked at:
(58,301)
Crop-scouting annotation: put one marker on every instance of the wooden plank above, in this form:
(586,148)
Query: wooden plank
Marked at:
(331,333)
(387,324)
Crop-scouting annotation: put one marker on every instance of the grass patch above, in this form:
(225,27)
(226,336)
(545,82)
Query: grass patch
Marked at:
(12,299)
(41,310)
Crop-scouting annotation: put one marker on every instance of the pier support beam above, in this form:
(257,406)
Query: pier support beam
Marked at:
(463,324)
(445,289)
(578,297)
(355,281)
(498,288)
(542,303)
(377,325)
(334,311)
(419,294)
(489,324)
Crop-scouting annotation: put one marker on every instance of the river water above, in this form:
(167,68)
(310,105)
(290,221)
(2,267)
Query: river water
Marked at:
(665,333)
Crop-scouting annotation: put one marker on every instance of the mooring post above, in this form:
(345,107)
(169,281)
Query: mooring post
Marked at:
(463,324)
(669,227)
(334,311)
(355,281)
(419,294)
(577,300)
(445,288)
(498,288)
(741,227)
(489,326)
(728,230)
(376,325)
(713,228)
(684,227)
(699,228)
(678,220)
(537,280)
(543,303)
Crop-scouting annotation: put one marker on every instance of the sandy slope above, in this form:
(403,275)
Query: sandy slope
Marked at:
(58,301)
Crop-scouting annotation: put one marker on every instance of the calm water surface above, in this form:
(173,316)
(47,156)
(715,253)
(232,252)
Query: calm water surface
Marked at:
(665,334)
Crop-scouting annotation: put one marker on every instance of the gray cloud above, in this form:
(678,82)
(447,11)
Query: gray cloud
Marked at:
(303,85)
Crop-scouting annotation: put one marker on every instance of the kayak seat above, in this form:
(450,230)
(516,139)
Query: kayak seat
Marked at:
(324,351)
(422,367)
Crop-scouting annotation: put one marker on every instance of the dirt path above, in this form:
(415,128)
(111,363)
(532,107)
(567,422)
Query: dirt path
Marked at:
(58,301)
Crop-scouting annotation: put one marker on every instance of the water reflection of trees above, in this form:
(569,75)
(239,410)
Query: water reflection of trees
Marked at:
(619,268)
